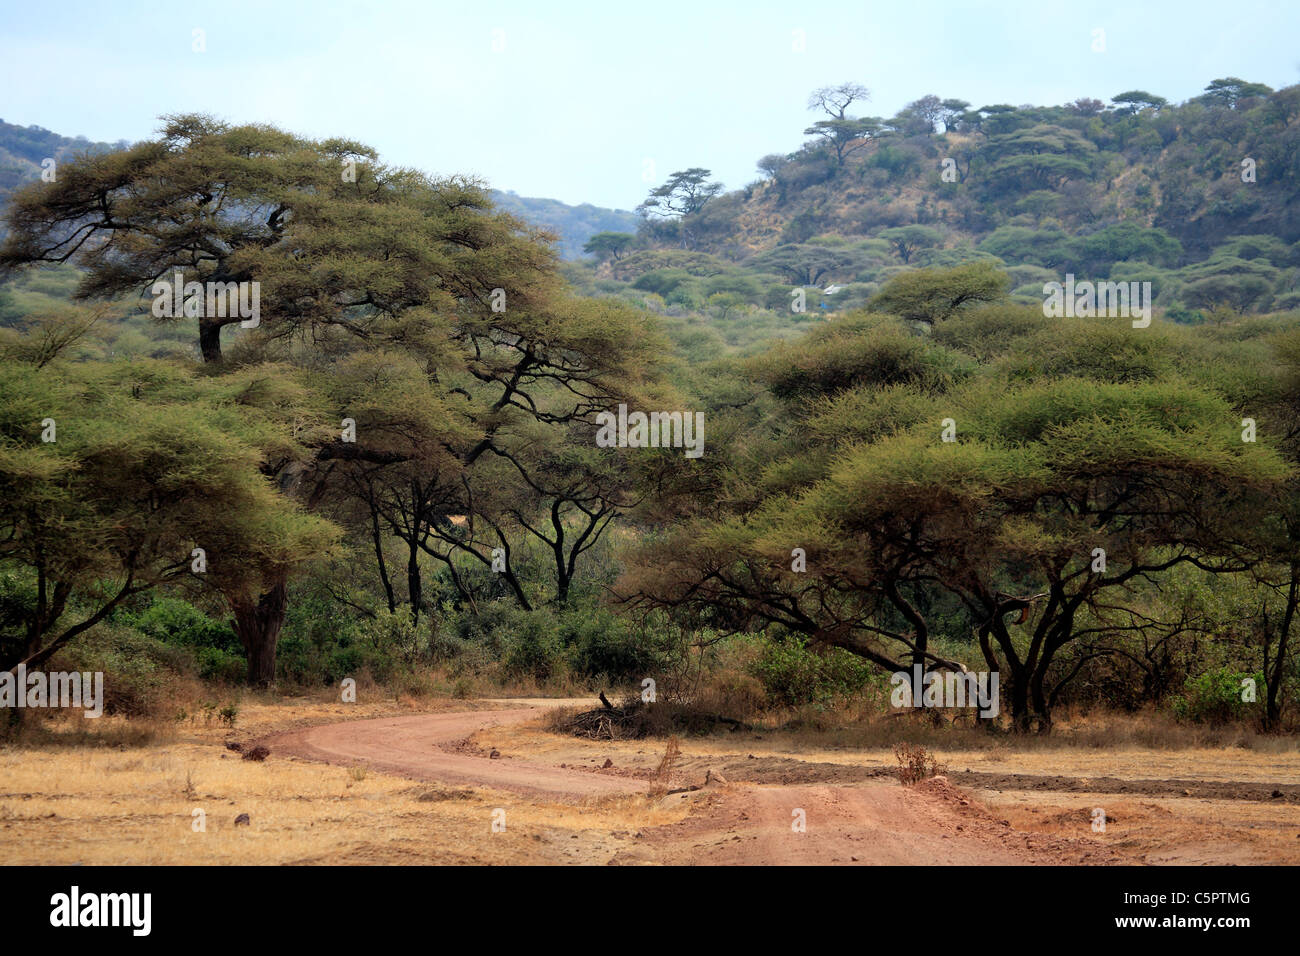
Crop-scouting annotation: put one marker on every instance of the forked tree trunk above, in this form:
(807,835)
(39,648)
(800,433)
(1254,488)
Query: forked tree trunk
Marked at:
(257,625)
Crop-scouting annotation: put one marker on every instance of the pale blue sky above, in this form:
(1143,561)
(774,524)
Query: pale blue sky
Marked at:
(582,94)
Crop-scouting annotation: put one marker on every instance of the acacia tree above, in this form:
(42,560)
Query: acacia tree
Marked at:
(1061,498)
(1275,399)
(842,133)
(609,246)
(349,256)
(558,490)
(908,240)
(734,564)
(685,193)
(835,101)
(332,238)
(112,477)
(1134,101)
(499,445)
(805,264)
(1054,499)
(932,295)
(845,136)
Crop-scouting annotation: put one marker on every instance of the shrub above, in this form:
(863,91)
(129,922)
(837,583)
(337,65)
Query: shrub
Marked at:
(602,644)
(792,674)
(180,624)
(393,641)
(915,764)
(214,664)
(318,644)
(137,668)
(1215,697)
(534,648)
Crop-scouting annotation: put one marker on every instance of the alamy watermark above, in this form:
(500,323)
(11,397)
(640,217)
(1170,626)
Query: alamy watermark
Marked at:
(175,298)
(967,689)
(75,908)
(1105,299)
(37,689)
(655,430)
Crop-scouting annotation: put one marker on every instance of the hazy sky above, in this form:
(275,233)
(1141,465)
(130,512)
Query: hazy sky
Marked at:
(574,100)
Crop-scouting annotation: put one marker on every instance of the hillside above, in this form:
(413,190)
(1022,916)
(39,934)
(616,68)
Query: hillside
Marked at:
(24,148)
(1199,198)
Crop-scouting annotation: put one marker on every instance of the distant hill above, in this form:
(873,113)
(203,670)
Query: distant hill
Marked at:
(574,224)
(1201,199)
(24,148)
(1220,165)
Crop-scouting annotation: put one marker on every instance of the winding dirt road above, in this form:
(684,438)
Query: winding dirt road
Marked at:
(873,822)
(434,747)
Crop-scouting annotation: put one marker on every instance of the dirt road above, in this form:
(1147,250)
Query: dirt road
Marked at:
(871,822)
(435,747)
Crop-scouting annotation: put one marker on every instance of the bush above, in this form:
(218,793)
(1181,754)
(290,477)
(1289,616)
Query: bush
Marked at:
(1215,697)
(792,674)
(534,649)
(602,644)
(317,644)
(180,624)
(915,764)
(393,639)
(214,664)
(138,669)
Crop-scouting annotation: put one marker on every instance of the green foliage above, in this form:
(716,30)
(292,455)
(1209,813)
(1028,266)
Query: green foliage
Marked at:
(139,670)
(932,295)
(792,674)
(685,192)
(847,355)
(220,666)
(474,424)
(148,459)
(1215,697)
(609,245)
(180,624)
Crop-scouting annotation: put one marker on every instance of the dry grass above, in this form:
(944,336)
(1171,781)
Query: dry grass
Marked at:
(863,729)
(116,792)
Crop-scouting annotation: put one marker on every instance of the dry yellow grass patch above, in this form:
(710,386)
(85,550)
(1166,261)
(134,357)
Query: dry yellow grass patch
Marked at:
(135,804)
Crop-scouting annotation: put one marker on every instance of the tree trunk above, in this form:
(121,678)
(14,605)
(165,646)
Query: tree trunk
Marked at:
(414,586)
(1021,718)
(378,540)
(210,340)
(257,625)
(1273,678)
(1038,695)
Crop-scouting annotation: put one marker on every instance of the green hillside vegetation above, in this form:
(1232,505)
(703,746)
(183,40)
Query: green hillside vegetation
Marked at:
(24,148)
(1198,198)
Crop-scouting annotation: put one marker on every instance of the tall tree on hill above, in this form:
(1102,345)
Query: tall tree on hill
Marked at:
(835,101)
(843,134)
